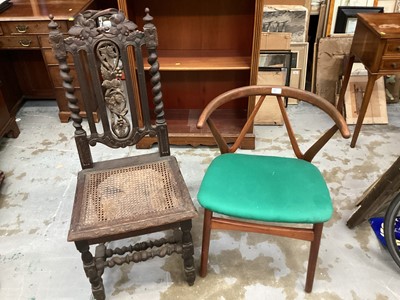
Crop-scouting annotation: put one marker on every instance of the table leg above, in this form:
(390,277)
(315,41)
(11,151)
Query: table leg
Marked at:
(367,96)
(345,82)
(396,88)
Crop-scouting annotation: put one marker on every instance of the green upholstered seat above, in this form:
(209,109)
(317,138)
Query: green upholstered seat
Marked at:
(266,188)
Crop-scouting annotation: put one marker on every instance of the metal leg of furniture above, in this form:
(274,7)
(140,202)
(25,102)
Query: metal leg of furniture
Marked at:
(363,109)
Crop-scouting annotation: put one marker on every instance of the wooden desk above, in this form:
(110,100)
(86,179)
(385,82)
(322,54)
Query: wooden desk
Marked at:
(28,68)
(376,43)
(8,125)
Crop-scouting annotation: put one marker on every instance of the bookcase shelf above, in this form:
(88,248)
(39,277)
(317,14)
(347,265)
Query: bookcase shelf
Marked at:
(205,48)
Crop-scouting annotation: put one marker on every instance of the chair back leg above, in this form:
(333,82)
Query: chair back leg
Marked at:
(313,257)
(206,242)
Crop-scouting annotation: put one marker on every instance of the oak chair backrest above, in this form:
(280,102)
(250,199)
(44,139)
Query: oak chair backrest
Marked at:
(102,43)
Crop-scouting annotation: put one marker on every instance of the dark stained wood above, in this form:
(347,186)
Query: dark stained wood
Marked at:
(378,196)
(2,176)
(121,198)
(8,124)
(12,93)
(376,44)
(32,75)
(223,222)
(24,42)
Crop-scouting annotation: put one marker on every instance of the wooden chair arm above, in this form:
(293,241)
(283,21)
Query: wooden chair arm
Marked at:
(284,91)
(280,92)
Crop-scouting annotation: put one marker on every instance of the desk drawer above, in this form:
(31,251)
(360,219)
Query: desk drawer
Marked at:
(19,42)
(391,65)
(393,48)
(29,27)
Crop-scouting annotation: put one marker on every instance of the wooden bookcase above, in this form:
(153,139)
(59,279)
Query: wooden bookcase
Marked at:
(205,48)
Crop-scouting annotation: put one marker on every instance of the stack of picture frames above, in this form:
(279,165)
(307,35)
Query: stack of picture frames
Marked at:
(283,52)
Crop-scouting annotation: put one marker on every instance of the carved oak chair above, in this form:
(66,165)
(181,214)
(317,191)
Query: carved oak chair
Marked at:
(251,193)
(131,196)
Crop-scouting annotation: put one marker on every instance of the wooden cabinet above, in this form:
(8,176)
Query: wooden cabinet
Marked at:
(205,48)
(8,125)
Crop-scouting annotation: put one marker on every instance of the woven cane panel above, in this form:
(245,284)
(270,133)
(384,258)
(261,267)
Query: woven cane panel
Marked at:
(125,192)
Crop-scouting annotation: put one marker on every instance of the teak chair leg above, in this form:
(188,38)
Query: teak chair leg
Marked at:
(188,252)
(313,257)
(90,270)
(206,242)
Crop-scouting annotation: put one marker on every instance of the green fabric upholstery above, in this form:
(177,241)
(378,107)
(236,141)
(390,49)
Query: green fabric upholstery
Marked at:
(266,188)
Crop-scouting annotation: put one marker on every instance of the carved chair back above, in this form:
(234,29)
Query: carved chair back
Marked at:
(107,52)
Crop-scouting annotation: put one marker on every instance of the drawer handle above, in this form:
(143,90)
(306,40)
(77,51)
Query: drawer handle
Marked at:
(398,48)
(25,43)
(393,65)
(22,28)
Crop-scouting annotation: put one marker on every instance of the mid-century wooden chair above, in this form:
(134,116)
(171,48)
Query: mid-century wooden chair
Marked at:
(243,188)
(131,196)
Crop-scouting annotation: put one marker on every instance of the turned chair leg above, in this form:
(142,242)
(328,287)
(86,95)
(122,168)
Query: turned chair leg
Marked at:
(206,242)
(188,252)
(91,271)
(313,257)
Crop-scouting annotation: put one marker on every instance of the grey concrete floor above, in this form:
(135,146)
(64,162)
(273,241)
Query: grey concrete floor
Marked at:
(37,262)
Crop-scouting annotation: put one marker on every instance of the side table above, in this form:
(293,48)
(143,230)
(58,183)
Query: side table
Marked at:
(376,44)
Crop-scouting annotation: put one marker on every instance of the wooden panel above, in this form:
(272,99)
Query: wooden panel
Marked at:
(12,93)
(305,3)
(376,112)
(269,113)
(331,52)
(32,74)
(275,40)
(193,90)
(205,25)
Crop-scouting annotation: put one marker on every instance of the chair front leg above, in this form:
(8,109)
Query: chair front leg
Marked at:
(313,257)
(188,252)
(90,270)
(206,242)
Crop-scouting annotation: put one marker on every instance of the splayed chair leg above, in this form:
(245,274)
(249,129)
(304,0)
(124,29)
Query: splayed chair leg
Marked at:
(206,242)
(313,257)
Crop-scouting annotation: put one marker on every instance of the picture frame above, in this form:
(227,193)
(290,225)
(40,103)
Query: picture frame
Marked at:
(332,11)
(275,59)
(299,60)
(286,18)
(346,18)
